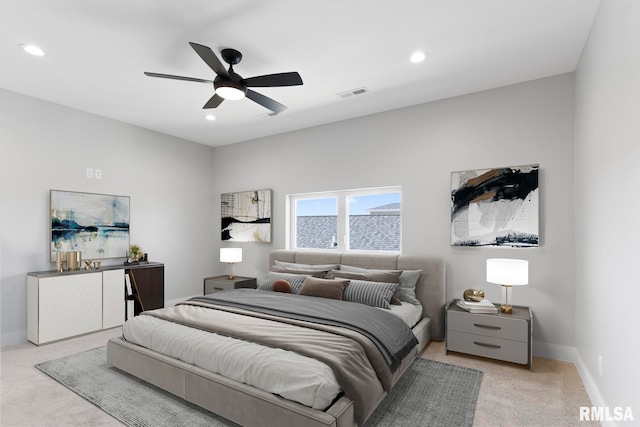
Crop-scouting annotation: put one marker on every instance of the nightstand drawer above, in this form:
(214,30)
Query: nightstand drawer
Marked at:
(212,286)
(223,283)
(485,346)
(501,327)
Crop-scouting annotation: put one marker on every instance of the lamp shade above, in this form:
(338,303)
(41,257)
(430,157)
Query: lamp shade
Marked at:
(230,254)
(504,271)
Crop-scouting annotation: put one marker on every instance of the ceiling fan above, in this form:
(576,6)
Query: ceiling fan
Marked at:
(230,85)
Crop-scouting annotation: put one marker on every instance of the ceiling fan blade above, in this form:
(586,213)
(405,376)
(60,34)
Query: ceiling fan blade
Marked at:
(279,79)
(169,76)
(265,101)
(210,58)
(213,102)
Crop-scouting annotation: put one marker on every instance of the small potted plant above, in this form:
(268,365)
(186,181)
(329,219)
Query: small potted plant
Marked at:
(134,253)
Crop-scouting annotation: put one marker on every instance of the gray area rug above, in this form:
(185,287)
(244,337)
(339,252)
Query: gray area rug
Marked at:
(429,394)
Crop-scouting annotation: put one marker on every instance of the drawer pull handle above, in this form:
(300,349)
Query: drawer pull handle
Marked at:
(218,289)
(487,326)
(486,345)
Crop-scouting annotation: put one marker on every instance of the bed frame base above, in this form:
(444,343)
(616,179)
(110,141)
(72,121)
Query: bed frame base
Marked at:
(234,401)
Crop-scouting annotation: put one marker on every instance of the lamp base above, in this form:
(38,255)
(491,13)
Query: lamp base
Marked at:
(505,307)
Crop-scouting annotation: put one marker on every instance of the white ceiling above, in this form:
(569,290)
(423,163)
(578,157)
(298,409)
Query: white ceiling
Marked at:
(96,52)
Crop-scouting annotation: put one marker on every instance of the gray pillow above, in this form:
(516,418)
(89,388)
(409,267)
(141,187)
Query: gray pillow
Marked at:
(306,272)
(408,280)
(375,294)
(296,281)
(385,276)
(324,288)
(295,265)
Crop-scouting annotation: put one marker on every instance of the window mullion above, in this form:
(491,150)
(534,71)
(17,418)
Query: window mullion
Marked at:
(341,225)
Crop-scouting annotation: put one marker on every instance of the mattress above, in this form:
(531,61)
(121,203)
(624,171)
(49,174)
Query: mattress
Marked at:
(285,373)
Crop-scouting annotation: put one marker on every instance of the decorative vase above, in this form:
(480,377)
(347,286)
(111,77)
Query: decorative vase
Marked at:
(74,260)
(59,261)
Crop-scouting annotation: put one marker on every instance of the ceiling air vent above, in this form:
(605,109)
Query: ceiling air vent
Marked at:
(270,114)
(353,92)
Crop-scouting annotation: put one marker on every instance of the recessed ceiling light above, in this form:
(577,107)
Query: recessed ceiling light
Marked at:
(210,117)
(32,49)
(418,56)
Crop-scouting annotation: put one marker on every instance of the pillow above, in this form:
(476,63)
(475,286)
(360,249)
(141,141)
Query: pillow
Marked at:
(408,280)
(281,285)
(375,294)
(294,279)
(385,276)
(295,265)
(324,288)
(306,272)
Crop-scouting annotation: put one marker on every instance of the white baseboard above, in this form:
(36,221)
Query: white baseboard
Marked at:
(13,338)
(554,351)
(571,354)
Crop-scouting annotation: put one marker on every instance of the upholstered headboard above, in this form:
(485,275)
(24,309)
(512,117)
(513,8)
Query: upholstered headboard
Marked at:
(430,289)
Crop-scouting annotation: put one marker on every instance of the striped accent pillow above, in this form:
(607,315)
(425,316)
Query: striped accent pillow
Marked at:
(296,281)
(375,294)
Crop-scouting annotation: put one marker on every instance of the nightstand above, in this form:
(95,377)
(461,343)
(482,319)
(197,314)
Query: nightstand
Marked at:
(507,337)
(222,283)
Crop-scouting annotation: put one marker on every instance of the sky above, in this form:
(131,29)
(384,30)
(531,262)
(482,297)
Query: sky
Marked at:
(358,205)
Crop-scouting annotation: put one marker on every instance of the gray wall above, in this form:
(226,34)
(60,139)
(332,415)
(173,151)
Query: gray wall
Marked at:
(607,204)
(417,148)
(45,146)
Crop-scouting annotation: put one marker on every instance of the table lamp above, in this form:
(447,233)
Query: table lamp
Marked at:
(508,273)
(230,256)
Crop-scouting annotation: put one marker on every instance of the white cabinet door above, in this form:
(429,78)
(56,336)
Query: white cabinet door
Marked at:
(69,305)
(112,298)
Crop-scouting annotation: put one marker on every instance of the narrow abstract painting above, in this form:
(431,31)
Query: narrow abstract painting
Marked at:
(95,224)
(495,207)
(246,216)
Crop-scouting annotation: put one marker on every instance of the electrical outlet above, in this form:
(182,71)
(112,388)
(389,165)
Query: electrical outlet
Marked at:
(89,173)
(600,364)
(98,173)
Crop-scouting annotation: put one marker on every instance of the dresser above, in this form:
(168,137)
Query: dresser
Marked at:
(66,304)
(507,337)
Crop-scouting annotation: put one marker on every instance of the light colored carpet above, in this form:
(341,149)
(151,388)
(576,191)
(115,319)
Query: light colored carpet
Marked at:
(429,394)
(510,395)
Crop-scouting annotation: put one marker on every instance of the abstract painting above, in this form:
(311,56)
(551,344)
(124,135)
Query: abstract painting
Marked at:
(246,216)
(495,207)
(95,224)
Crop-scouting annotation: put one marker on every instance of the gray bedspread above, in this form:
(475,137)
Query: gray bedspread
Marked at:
(391,335)
(359,364)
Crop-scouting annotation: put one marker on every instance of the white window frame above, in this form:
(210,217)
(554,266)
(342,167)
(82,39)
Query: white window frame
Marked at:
(342,216)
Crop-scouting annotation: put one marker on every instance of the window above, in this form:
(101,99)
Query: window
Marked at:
(357,220)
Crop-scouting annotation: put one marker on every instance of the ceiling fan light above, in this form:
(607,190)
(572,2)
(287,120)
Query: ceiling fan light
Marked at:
(230,90)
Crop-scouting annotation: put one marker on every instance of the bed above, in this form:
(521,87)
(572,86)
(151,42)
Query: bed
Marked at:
(251,406)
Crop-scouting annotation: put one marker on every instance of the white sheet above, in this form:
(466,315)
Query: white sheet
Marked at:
(295,377)
(288,374)
(409,313)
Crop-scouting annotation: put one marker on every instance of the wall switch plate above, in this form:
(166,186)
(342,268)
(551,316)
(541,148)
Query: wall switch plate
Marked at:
(89,173)
(98,174)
